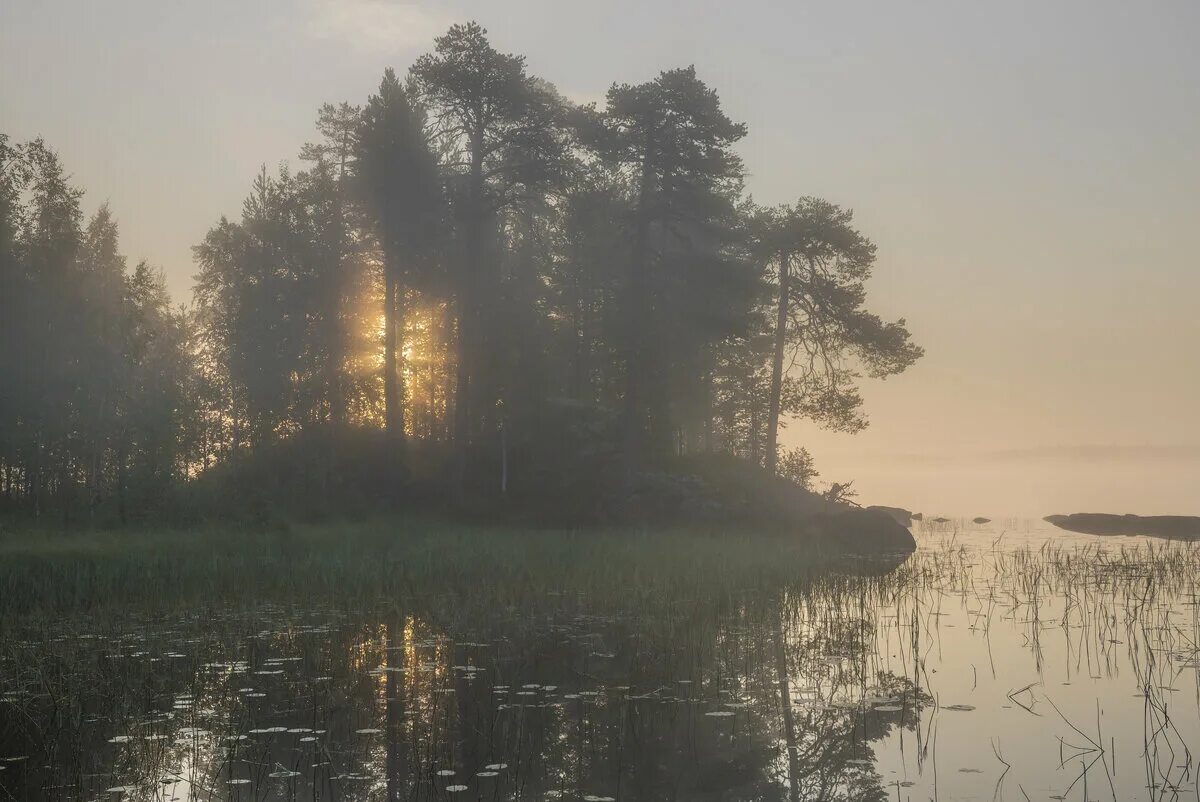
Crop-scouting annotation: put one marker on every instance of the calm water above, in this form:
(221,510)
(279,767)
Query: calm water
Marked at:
(1007,661)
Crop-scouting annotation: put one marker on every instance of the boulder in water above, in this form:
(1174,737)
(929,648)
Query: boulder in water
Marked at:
(899,514)
(1176,527)
(865,531)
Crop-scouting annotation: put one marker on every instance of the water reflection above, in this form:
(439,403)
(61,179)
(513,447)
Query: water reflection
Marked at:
(751,695)
(986,667)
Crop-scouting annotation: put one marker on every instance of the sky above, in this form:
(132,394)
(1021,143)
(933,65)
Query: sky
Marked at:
(1030,172)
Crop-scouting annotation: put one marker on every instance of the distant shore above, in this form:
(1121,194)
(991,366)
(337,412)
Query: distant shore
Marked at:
(1175,527)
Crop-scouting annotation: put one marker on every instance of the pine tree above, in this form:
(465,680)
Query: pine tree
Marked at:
(397,176)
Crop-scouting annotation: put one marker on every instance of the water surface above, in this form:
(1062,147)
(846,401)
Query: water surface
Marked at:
(1006,661)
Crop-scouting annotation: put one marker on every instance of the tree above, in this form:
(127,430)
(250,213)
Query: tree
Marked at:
(13,291)
(797,465)
(483,106)
(249,294)
(335,249)
(84,395)
(583,284)
(675,142)
(534,177)
(821,266)
(397,175)
(470,258)
(102,371)
(50,242)
(339,129)
(152,402)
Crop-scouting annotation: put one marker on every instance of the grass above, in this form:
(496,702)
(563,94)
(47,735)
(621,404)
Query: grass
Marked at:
(54,571)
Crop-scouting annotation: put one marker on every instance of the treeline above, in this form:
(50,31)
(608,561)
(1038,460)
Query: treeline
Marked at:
(501,283)
(95,364)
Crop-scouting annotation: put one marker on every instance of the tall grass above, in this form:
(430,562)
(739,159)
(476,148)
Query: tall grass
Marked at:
(53,572)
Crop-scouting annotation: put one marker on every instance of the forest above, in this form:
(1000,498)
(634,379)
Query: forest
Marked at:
(467,290)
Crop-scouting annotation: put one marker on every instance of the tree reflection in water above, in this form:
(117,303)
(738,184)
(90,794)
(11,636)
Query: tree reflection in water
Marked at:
(752,692)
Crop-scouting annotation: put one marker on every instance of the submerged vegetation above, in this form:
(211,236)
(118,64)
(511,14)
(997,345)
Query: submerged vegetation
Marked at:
(509,664)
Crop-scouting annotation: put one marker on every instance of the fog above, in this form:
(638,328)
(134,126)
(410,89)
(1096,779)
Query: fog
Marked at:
(1027,172)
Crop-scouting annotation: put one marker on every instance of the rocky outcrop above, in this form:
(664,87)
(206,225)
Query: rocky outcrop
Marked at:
(732,493)
(864,532)
(898,514)
(1175,527)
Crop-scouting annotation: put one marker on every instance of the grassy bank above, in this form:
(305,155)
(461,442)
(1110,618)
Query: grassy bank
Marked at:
(49,571)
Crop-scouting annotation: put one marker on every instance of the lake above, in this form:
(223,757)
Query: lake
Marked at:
(1004,661)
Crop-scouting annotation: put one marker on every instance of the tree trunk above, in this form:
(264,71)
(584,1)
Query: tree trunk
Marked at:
(462,377)
(431,419)
(337,331)
(777,364)
(448,377)
(633,415)
(337,384)
(578,341)
(399,318)
(467,312)
(525,389)
(785,707)
(391,407)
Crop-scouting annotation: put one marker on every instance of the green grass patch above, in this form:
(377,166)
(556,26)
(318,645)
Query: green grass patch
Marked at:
(342,562)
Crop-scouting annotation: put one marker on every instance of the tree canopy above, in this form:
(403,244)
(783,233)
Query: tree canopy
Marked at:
(507,284)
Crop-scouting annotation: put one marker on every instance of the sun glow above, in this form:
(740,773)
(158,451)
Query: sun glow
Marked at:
(424,364)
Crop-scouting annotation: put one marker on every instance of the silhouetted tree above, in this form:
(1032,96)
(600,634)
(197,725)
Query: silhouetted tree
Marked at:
(92,358)
(397,175)
(821,264)
(337,248)
(675,141)
(468,257)
(483,107)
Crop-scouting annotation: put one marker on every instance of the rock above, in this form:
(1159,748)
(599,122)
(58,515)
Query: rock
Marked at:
(940,520)
(899,514)
(725,492)
(865,531)
(1176,527)
(916,516)
(981,520)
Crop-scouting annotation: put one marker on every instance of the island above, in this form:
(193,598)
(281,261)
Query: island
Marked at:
(1175,527)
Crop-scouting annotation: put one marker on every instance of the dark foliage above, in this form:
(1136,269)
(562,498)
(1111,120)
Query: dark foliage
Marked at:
(475,294)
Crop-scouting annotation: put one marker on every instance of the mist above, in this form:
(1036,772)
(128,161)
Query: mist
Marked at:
(526,400)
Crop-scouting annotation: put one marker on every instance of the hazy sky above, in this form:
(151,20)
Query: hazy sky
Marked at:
(1029,170)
